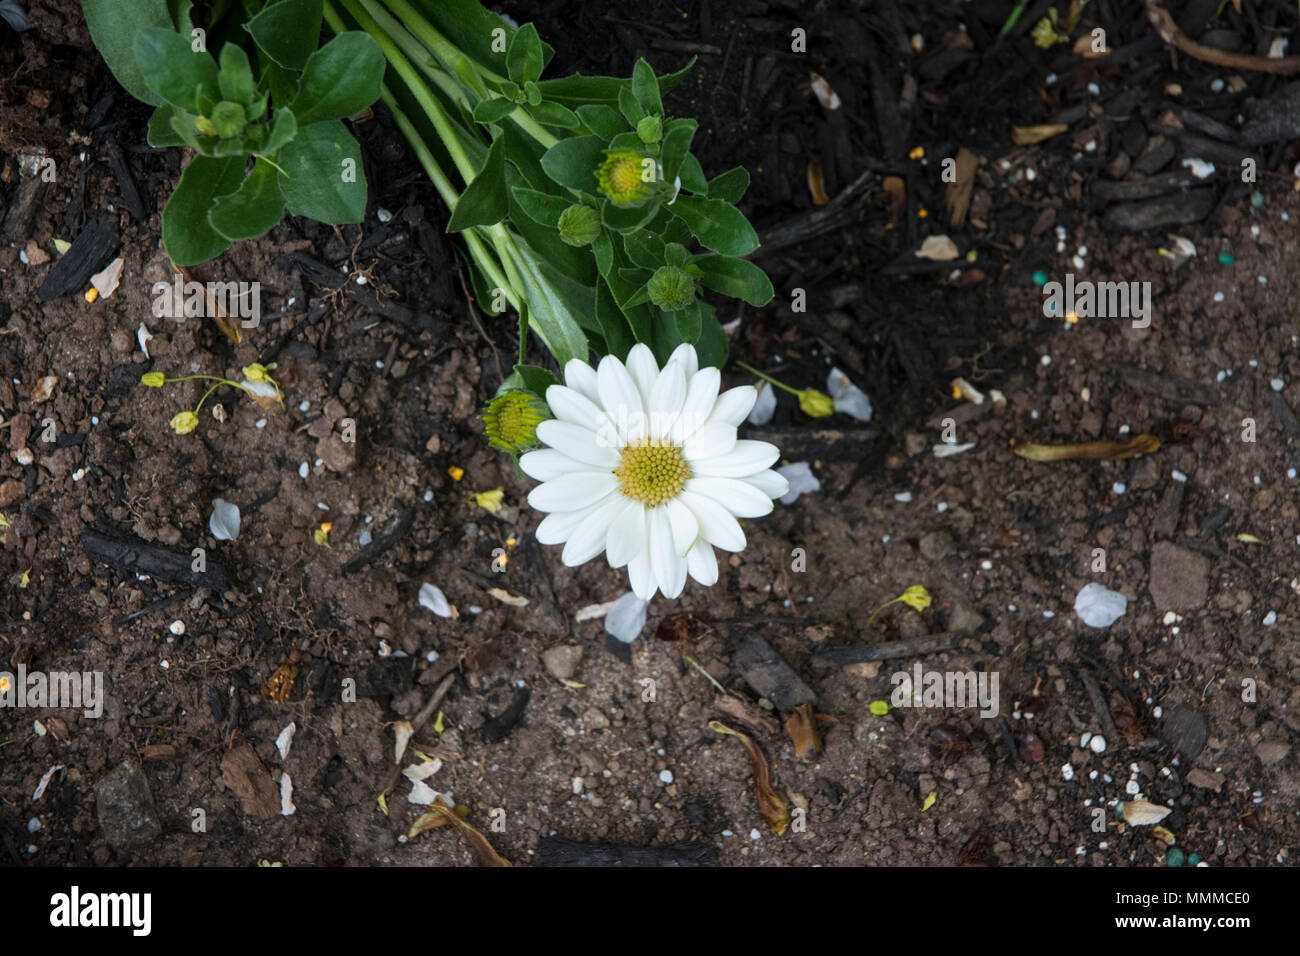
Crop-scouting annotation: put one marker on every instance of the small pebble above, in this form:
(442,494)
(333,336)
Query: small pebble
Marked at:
(1119,487)
(1216,86)
(1067,772)
(1278,384)
(1270,619)
(260,423)
(755,835)
(1098,744)
(1178,475)
(177,627)
(302,471)
(665,776)
(382,214)
(1218,297)
(903,497)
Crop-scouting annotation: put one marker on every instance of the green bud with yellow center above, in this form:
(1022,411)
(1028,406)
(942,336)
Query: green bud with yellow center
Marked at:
(652,472)
(511,420)
(671,288)
(579,225)
(626,177)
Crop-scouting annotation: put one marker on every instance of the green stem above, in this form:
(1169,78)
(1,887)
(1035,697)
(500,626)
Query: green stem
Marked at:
(211,390)
(768,378)
(878,610)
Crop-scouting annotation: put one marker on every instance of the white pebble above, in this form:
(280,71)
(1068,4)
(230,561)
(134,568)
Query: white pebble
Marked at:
(665,776)
(382,214)
(1278,384)
(1067,772)
(302,471)
(1270,619)
(260,423)
(1218,297)
(1178,475)
(1097,744)
(177,627)
(755,835)
(903,496)
(1119,487)
(1046,360)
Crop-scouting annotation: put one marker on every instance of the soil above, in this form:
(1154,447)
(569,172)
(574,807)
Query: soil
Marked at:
(1201,537)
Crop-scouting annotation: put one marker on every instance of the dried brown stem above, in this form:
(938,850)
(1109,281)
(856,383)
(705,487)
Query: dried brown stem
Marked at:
(1168,31)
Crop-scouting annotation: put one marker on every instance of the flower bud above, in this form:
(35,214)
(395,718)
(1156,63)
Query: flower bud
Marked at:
(622,177)
(816,404)
(511,420)
(184,423)
(154,379)
(671,288)
(579,225)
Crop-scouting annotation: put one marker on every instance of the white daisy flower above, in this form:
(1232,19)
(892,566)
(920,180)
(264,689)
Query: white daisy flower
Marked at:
(644,465)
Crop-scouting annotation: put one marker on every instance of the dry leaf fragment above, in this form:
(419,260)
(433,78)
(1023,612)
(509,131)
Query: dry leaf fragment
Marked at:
(1028,135)
(441,813)
(804,733)
(280,684)
(106,282)
(895,198)
(1142,813)
(1133,448)
(816,184)
(958,194)
(772,807)
(505,597)
(403,731)
(938,249)
(826,96)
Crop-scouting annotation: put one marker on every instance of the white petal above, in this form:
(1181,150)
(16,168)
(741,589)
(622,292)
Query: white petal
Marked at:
(558,527)
(690,360)
(589,538)
(581,377)
(572,491)
(666,398)
(747,458)
(621,399)
(684,524)
(714,440)
(643,368)
(702,563)
(626,619)
(673,587)
(547,463)
(570,405)
(641,577)
(577,442)
(740,498)
(799,480)
(734,404)
(664,558)
(764,406)
(627,535)
(701,396)
(771,483)
(717,525)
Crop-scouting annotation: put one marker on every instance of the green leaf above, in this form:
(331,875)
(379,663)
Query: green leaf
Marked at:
(493,110)
(161,132)
(689,323)
(340,79)
(174,71)
(288,31)
(550,309)
(536,379)
(553,114)
(629,107)
(730,186)
(485,201)
(602,248)
(604,121)
(186,233)
(737,278)
(677,144)
(645,87)
(324,179)
(524,55)
(114,27)
(693,180)
(532,95)
(624,219)
(253,208)
(236,76)
(718,225)
(711,346)
(645,249)
(573,162)
(613,324)
(283,128)
(577,89)
(540,207)
(675,254)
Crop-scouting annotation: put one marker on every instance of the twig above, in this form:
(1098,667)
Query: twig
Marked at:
(1168,31)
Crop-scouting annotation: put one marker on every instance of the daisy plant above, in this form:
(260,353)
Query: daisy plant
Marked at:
(582,208)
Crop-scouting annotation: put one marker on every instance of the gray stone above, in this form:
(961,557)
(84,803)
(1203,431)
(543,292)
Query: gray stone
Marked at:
(125,807)
(562,661)
(1272,751)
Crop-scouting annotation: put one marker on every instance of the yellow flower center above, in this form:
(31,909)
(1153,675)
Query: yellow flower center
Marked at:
(621,177)
(652,472)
